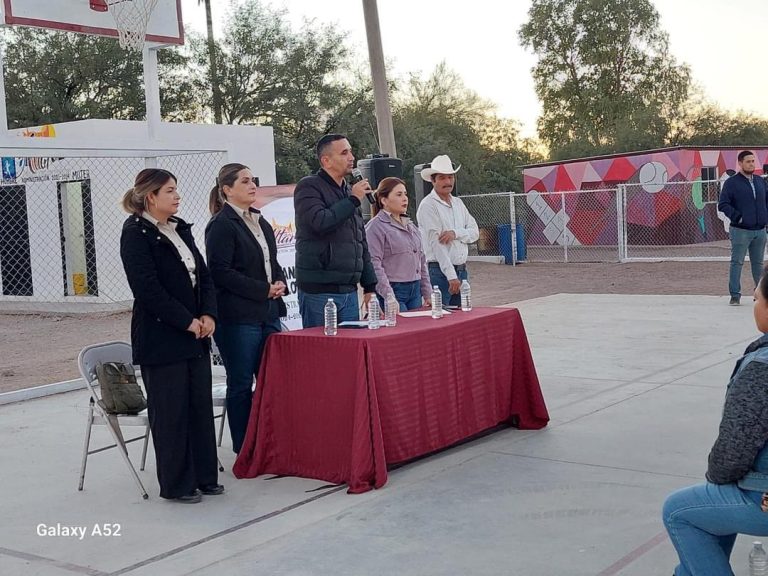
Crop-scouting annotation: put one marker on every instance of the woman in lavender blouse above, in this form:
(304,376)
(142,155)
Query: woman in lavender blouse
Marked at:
(394,243)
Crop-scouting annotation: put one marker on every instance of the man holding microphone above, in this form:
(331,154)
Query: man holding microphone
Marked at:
(332,256)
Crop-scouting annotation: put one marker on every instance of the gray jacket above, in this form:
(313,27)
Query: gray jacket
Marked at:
(740,453)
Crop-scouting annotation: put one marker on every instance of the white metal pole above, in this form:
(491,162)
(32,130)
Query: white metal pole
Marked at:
(565,226)
(4,132)
(620,238)
(152,98)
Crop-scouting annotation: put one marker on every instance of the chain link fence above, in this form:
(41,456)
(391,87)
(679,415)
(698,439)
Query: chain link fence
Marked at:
(576,226)
(60,225)
(678,221)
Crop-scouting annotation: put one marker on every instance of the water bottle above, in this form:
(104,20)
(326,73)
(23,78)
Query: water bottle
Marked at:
(758,560)
(374,322)
(329,314)
(466,296)
(391,308)
(437,302)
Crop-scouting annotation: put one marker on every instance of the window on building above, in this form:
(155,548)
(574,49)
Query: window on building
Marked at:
(710,185)
(708,173)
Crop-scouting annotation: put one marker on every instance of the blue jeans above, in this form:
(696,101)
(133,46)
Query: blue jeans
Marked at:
(703,521)
(312,308)
(437,278)
(241,347)
(407,294)
(741,242)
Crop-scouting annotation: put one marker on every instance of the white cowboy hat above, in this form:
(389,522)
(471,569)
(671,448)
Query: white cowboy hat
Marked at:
(440,165)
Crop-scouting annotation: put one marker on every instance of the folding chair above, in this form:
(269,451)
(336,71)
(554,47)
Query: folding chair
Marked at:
(87,361)
(219,390)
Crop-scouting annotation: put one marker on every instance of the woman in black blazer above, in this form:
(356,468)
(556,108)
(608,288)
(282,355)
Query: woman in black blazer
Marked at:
(174,309)
(242,256)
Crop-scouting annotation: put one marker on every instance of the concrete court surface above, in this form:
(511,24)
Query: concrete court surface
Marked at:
(634,385)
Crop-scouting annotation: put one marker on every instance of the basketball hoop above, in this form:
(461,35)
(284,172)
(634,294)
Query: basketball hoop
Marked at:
(131,18)
(99,5)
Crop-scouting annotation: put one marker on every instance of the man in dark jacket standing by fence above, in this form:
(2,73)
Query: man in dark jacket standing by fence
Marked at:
(331,250)
(744,200)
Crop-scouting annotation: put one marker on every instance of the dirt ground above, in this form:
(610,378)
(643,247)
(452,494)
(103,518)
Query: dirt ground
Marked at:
(40,349)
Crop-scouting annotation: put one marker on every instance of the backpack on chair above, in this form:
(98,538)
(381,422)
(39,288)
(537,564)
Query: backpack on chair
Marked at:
(120,392)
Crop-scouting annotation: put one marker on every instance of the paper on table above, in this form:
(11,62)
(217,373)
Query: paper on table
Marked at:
(420,313)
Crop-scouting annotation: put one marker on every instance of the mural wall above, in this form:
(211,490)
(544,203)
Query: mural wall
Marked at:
(671,196)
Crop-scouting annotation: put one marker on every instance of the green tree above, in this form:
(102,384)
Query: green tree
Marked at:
(703,123)
(274,75)
(59,77)
(604,76)
(440,115)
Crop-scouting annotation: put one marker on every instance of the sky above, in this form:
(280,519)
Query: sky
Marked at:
(479,41)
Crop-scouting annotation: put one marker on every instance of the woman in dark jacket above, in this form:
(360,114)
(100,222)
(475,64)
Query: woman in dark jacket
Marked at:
(242,255)
(704,520)
(174,309)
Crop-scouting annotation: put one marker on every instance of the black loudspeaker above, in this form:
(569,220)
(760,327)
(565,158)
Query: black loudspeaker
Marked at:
(422,188)
(376,167)
(765,169)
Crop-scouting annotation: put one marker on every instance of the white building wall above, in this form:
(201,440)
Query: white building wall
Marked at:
(111,177)
(253,146)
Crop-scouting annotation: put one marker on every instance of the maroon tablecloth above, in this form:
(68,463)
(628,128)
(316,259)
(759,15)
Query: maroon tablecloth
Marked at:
(342,408)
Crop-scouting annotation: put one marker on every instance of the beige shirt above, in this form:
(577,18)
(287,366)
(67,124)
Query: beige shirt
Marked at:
(169,231)
(251,220)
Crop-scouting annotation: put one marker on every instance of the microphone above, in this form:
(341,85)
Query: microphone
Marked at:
(357,176)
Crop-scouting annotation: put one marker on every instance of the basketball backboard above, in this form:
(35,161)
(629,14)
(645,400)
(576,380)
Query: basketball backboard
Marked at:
(165,25)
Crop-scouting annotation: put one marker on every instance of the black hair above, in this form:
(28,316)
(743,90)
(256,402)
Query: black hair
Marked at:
(325,141)
(743,154)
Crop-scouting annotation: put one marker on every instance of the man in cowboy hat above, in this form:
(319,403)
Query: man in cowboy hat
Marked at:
(446,227)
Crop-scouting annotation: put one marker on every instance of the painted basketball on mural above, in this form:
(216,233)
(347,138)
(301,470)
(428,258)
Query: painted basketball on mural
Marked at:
(653,177)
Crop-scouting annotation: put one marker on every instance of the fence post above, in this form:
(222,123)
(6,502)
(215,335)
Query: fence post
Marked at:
(565,227)
(621,222)
(513,227)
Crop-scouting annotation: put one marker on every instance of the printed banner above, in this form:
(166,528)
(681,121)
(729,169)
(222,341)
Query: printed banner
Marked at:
(276,205)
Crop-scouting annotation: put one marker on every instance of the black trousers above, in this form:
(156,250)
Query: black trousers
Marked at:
(180,411)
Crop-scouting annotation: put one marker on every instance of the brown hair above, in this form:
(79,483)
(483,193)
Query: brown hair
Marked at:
(384,189)
(148,181)
(227,177)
